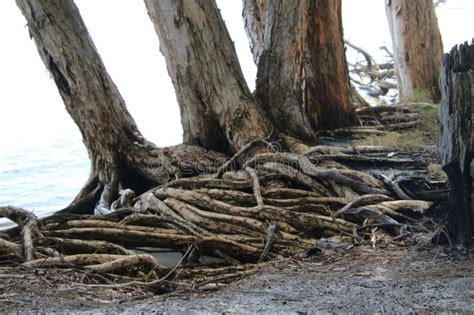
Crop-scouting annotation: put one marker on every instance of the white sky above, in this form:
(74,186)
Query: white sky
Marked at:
(32,111)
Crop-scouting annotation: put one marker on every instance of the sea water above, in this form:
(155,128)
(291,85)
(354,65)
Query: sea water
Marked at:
(41,175)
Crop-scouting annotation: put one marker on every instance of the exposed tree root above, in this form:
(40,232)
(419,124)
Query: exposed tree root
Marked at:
(71,246)
(10,250)
(112,187)
(236,215)
(29,228)
(236,220)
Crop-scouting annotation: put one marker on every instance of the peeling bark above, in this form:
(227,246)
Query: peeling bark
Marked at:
(287,200)
(254,15)
(119,154)
(302,80)
(417,45)
(217,108)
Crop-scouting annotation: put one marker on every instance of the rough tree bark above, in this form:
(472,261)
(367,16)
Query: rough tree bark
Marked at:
(456,137)
(417,45)
(217,108)
(254,13)
(271,205)
(119,154)
(302,79)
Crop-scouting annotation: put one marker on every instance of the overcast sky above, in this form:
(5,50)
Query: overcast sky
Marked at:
(31,109)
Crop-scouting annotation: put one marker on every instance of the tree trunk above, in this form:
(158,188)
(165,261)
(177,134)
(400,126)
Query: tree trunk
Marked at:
(417,46)
(218,111)
(217,108)
(119,154)
(456,137)
(302,78)
(286,199)
(254,13)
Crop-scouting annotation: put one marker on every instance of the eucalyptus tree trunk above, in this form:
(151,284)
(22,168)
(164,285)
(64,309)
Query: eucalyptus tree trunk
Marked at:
(302,79)
(217,108)
(119,154)
(282,198)
(417,46)
(254,13)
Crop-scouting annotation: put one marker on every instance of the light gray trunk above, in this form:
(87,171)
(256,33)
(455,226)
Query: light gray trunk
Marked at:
(217,108)
(118,152)
(417,45)
(254,14)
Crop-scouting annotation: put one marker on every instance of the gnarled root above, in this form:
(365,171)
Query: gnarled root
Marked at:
(143,167)
(235,216)
(29,227)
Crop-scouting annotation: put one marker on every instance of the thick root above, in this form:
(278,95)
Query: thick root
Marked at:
(236,216)
(29,227)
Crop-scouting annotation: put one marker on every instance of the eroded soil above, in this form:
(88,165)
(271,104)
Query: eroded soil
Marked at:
(362,279)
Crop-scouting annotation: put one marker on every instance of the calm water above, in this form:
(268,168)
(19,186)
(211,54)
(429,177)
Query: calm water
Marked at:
(43,176)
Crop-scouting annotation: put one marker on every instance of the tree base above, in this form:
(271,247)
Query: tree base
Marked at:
(274,205)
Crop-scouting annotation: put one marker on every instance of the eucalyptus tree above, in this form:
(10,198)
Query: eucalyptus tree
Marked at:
(417,46)
(302,86)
